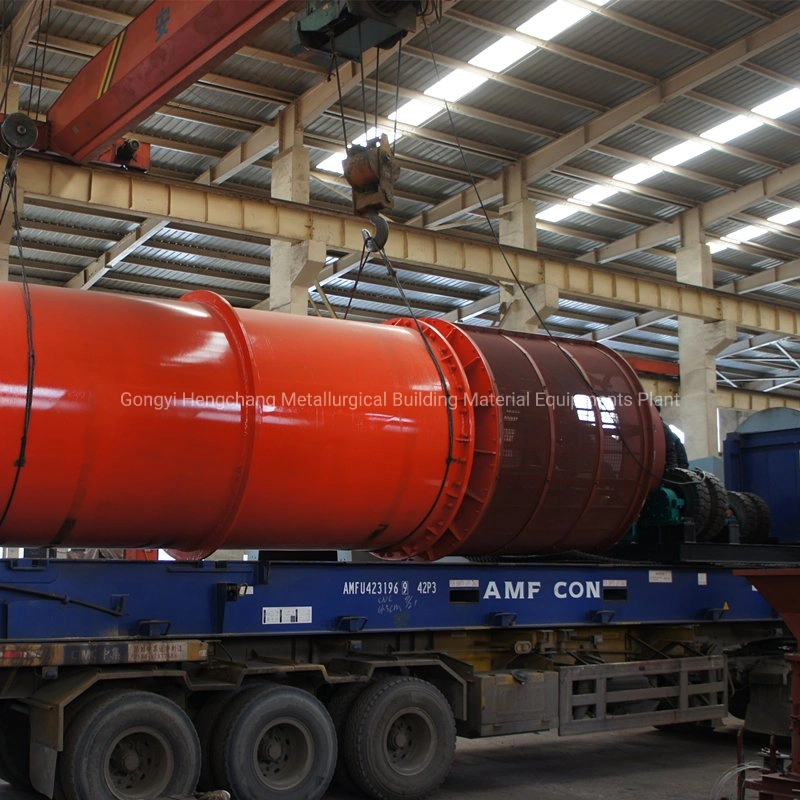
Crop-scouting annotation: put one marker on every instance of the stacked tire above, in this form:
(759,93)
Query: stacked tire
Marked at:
(752,515)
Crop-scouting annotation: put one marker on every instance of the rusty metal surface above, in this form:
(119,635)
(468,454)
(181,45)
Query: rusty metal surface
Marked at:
(581,446)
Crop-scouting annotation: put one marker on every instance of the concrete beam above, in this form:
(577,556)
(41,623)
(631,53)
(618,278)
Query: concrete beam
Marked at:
(465,313)
(626,326)
(81,187)
(712,211)
(98,269)
(783,273)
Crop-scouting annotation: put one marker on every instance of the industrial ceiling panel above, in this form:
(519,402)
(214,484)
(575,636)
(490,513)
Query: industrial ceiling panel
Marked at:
(240,105)
(190,131)
(434,188)
(772,143)
(743,87)
(595,161)
(185,238)
(624,46)
(579,307)
(689,115)
(572,77)
(650,261)
(452,38)
(263,71)
(429,149)
(114,227)
(126,287)
(783,58)
(711,22)
(646,206)
(71,25)
(566,243)
(696,190)
(129,7)
(509,12)
(55,63)
(180,161)
(602,226)
(31,97)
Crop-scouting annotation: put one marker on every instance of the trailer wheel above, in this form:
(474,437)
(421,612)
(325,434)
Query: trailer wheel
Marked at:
(339,707)
(15,739)
(275,741)
(206,722)
(128,746)
(400,739)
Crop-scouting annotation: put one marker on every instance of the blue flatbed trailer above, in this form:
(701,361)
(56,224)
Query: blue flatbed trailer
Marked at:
(477,649)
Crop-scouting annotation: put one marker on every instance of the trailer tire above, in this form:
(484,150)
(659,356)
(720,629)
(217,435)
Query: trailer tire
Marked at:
(275,741)
(130,744)
(339,707)
(206,722)
(15,739)
(400,739)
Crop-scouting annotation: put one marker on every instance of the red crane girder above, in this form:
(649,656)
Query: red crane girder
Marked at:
(161,52)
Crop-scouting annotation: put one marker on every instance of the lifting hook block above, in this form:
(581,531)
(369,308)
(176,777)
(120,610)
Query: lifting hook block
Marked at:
(377,242)
(371,171)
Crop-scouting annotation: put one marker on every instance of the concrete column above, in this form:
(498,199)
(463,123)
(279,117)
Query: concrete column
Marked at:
(699,343)
(7,225)
(294,267)
(516,313)
(518,218)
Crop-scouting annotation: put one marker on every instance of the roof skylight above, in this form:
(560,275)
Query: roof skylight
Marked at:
(415,112)
(745,234)
(554,19)
(730,129)
(681,152)
(780,105)
(786,217)
(594,194)
(502,54)
(455,85)
(638,173)
(332,163)
(556,213)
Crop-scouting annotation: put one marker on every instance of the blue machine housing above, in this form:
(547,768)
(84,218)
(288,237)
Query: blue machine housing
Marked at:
(768,463)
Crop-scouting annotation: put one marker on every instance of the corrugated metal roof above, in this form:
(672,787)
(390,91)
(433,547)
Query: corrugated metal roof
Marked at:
(72,25)
(783,58)
(711,23)
(574,78)
(254,89)
(627,47)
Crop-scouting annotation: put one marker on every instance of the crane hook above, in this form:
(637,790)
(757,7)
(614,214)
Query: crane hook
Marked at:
(375,243)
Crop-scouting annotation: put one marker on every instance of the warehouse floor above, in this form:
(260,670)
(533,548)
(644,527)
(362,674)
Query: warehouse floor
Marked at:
(634,764)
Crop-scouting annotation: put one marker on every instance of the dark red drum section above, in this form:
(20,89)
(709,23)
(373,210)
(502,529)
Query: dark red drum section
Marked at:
(192,426)
(581,444)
